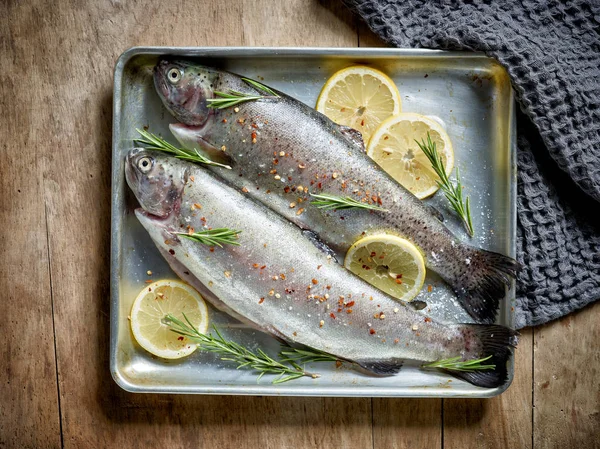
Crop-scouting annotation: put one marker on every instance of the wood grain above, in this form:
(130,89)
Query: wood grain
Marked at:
(567,381)
(56,95)
(499,422)
(29,415)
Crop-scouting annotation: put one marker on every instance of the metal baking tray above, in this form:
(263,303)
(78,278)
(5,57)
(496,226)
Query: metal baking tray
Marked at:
(469,92)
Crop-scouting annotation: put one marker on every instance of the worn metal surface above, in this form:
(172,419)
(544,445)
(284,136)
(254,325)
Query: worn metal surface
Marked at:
(468,92)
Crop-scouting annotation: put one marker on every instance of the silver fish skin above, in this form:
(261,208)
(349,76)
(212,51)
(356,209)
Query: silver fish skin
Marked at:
(280,282)
(280,150)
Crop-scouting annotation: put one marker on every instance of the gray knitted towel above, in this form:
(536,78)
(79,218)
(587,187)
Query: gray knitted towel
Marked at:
(552,52)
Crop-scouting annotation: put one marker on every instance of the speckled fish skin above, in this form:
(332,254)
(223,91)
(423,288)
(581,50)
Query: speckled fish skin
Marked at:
(280,149)
(279,281)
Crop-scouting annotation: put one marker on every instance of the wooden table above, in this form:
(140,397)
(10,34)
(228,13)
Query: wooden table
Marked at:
(55,387)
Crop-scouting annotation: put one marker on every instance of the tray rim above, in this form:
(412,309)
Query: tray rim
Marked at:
(249,52)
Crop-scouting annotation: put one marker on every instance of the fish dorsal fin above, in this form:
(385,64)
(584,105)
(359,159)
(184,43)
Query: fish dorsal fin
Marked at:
(381,367)
(314,239)
(354,136)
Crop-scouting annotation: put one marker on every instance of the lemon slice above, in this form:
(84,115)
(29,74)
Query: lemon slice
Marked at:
(394,148)
(359,97)
(155,302)
(390,263)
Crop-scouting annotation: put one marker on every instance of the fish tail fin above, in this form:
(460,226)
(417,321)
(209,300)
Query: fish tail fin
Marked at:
(495,341)
(481,284)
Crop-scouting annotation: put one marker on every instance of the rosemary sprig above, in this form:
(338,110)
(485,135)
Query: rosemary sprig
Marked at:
(305,355)
(456,364)
(214,237)
(453,192)
(260,86)
(234,97)
(153,142)
(327,202)
(233,352)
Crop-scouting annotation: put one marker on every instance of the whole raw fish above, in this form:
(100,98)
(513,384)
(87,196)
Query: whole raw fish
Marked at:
(279,281)
(282,151)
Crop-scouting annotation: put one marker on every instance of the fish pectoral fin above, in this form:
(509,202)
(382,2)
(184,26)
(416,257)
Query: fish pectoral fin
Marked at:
(310,235)
(381,367)
(191,138)
(354,136)
(436,213)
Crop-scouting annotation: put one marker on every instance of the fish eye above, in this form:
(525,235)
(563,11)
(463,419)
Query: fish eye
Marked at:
(145,164)
(174,75)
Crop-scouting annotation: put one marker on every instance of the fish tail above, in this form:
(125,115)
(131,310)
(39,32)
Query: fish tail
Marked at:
(480,282)
(492,340)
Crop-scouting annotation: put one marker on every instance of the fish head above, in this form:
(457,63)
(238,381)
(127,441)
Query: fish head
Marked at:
(184,88)
(156,180)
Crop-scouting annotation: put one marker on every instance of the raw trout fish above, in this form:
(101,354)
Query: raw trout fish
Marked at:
(282,151)
(280,282)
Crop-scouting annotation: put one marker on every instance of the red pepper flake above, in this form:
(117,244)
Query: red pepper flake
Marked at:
(332,315)
(319,267)
(254,125)
(399,281)
(344,185)
(261,300)
(429,288)
(224,120)
(192,178)
(244,189)
(295,334)
(386,137)
(343,110)
(148,281)
(373,253)
(212,249)
(338,363)
(172,252)
(263,267)
(315,282)
(180,338)
(427,319)
(372,331)
(320,185)
(253,135)
(328,287)
(289,178)
(350,304)
(197,205)
(273,172)
(282,276)
(275,161)
(396,341)
(286,189)
(349,311)
(255,265)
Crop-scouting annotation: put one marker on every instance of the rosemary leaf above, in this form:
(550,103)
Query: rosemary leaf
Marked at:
(456,364)
(153,142)
(453,192)
(214,237)
(327,202)
(234,97)
(233,352)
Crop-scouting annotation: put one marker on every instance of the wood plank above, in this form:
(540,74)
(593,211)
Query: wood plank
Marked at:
(96,413)
(499,422)
(29,414)
(567,385)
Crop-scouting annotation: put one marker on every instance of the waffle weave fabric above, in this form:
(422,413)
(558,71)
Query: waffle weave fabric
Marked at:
(551,50)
